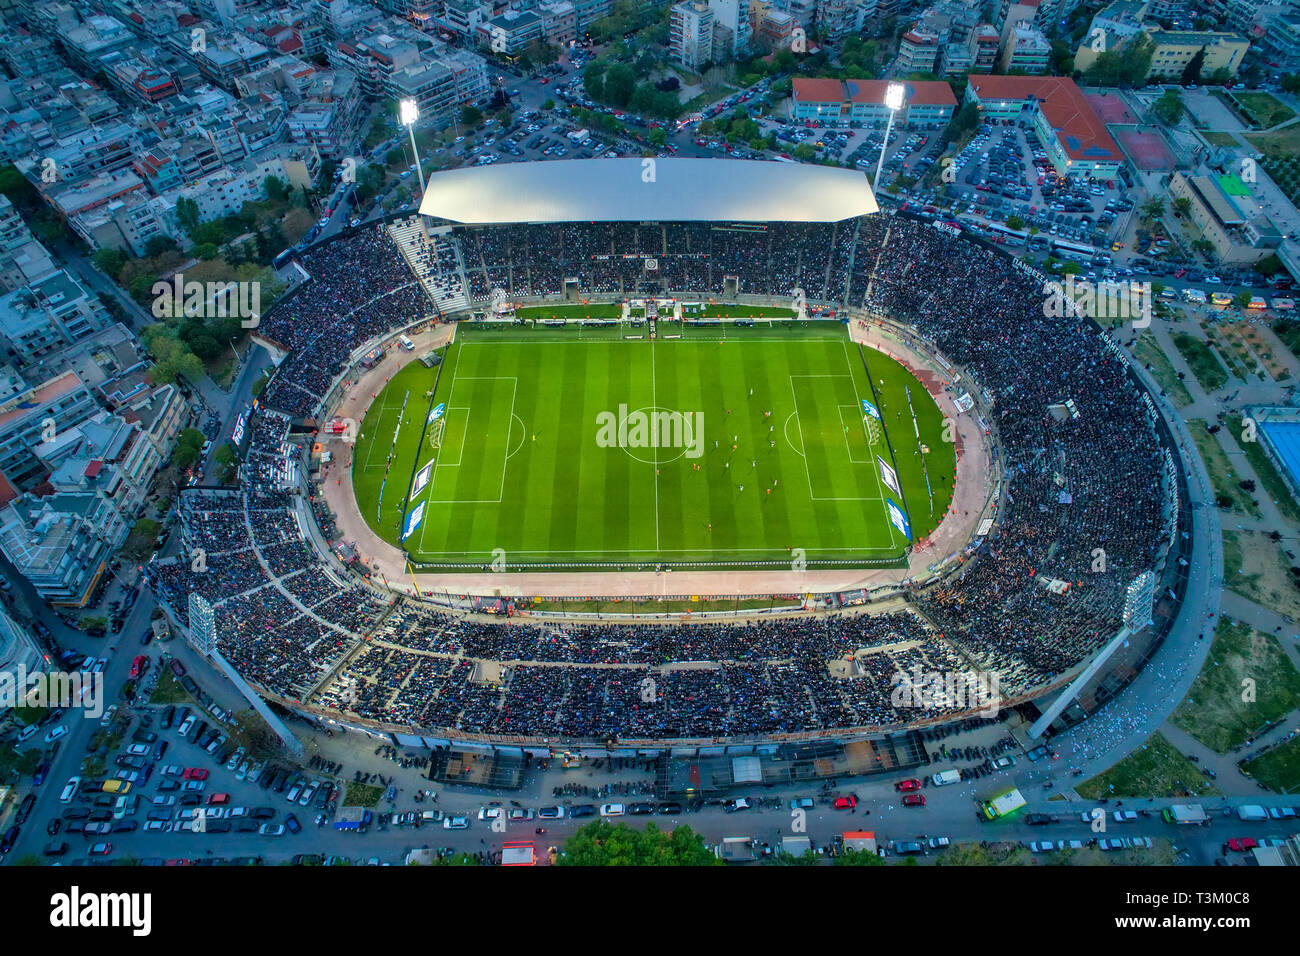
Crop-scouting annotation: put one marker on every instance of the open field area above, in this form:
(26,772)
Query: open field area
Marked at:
(1200,358)
(1148,352)
(1256,568)
(1246,683)
(1156,769)
(1264,108)
(1279,769)
(1227,489)
(559,449)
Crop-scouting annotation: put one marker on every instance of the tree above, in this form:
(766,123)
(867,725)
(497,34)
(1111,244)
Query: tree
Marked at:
(157,245)
(189,443)
(277,190)
(966,120)
(172,358)
(658,136)
(1241,299)
(1182,205)
(1291,83)
(620,81)
(471,115)
(603,844)
(1169,107)
(1152,209)
(1269,266)
(1015,222)
(187,214)
(1192,71)
(228,459)
(109,261)
(548,105)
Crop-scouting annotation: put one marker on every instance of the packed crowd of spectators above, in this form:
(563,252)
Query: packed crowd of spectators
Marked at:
(430,669)
(361,287)
(1030,604)
(281,619)
(1084,503)
(610,258)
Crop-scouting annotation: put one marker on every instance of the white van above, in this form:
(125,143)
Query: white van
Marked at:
(406,343)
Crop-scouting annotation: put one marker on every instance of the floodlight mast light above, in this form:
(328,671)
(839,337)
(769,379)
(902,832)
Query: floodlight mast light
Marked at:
(408,111)
(894,96)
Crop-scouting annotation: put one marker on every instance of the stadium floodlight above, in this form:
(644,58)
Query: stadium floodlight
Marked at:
(894,95)
(408,111)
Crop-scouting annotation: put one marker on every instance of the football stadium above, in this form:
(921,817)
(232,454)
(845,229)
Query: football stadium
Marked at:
(723,429)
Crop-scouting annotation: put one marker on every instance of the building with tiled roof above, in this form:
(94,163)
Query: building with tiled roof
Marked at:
(1073,135)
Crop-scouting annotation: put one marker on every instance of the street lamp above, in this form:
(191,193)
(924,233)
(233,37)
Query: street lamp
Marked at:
(408,111)
(894,94)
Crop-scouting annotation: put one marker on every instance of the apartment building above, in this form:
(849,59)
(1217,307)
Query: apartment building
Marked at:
(35,416)
(690,34)
(48,315)
(62,543)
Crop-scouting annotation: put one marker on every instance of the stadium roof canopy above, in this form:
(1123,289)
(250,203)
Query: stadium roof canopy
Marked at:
(625,190)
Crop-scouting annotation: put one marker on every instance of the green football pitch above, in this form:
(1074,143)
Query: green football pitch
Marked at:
(569,447)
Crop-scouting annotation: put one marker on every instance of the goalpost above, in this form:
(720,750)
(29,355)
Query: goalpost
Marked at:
(435,432)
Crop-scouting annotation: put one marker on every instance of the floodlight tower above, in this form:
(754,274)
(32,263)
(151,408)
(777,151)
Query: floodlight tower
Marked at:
(894,94)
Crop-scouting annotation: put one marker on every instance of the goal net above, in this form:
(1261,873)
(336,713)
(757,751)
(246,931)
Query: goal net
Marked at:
(874,435)
(435,433)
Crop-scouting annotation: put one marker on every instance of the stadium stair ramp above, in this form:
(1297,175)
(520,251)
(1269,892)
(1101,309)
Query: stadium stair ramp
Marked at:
(435,261)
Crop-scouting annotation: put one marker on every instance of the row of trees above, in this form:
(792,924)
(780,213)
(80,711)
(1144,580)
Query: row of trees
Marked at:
(619,85)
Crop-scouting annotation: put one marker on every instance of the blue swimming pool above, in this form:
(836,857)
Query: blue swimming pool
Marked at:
(1285,438)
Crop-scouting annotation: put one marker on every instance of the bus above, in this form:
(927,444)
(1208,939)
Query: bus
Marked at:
(1007,235)
(1220,298)
(282,260)
(1063,246)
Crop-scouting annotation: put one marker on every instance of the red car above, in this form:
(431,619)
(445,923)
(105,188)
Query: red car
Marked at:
(845,803)
(139,666)
(905,786)
(195,773)
(218,799)
(914,800)
(1242,844)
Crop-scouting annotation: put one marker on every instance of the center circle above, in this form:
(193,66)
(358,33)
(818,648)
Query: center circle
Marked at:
(654,459)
